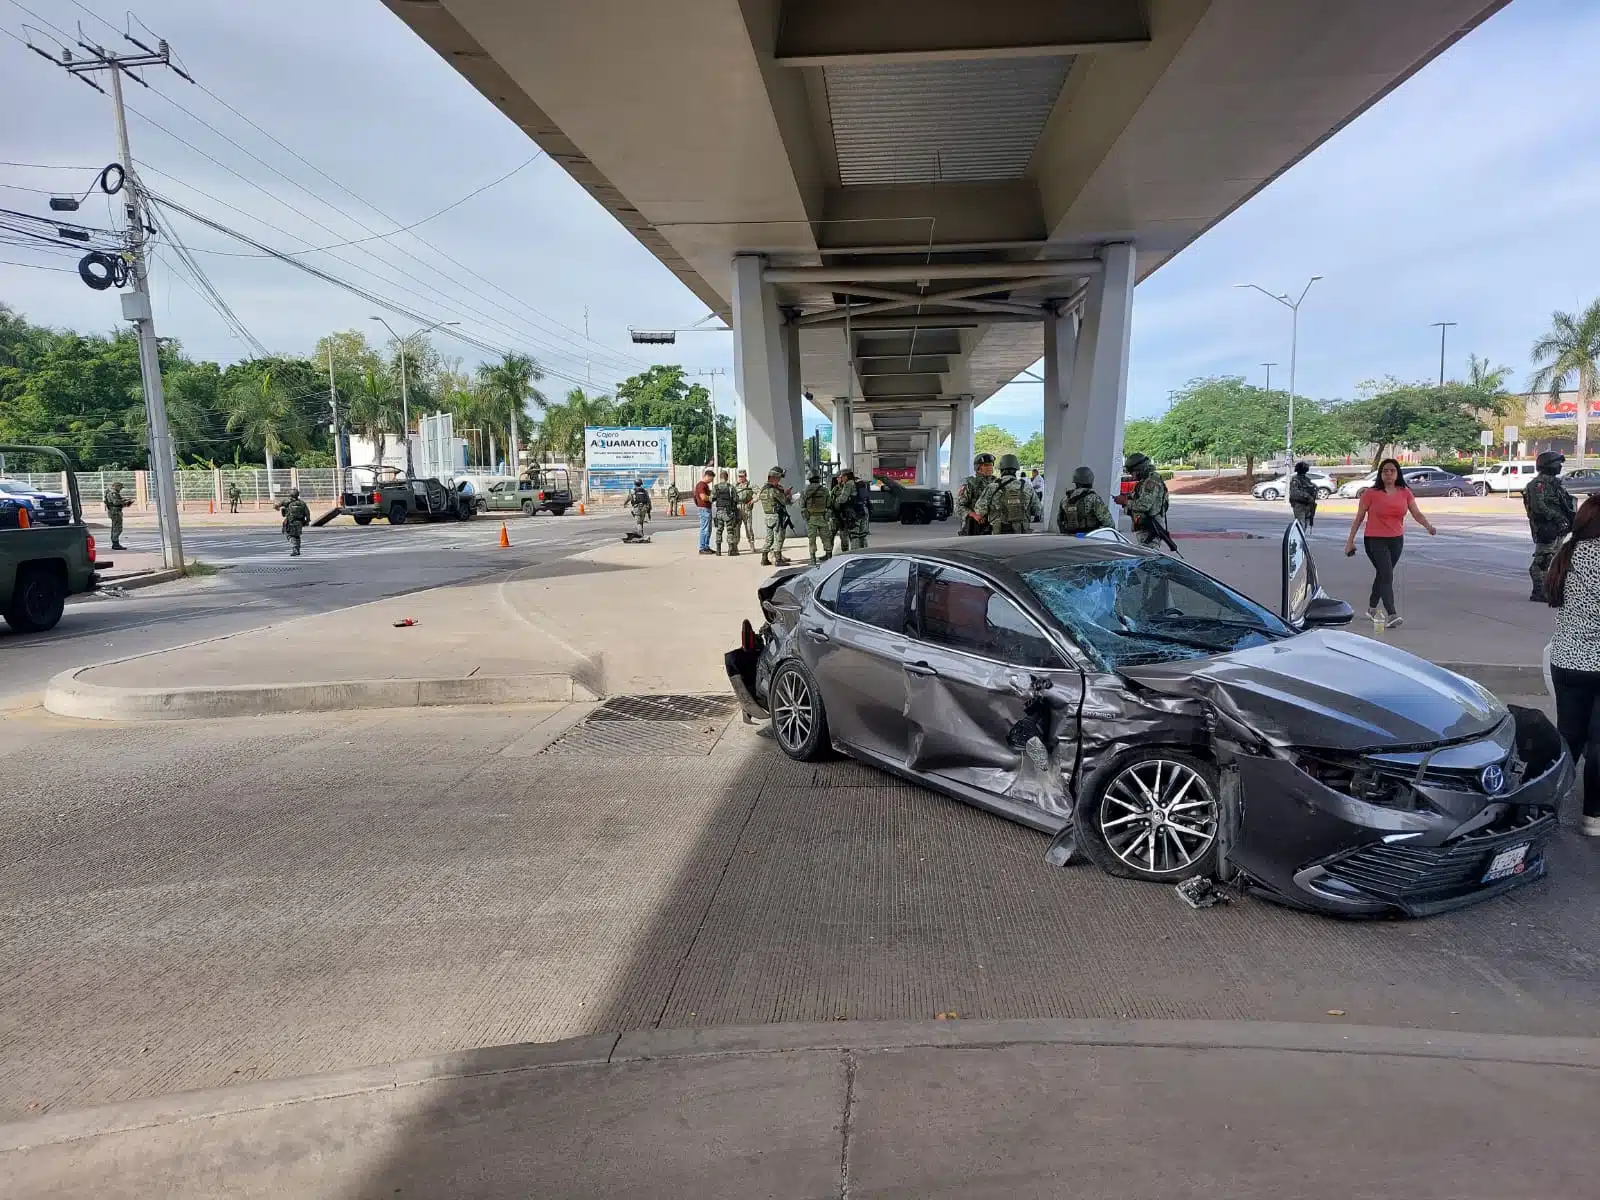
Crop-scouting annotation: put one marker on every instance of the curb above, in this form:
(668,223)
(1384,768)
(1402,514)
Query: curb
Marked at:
(141,579)
(68,695)
(665,1045)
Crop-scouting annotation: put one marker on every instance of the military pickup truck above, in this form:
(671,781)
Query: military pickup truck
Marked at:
(540,490)
(41,565)
(895,501)
(396,499)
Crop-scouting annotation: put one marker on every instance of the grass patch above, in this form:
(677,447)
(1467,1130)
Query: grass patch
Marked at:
(199,570)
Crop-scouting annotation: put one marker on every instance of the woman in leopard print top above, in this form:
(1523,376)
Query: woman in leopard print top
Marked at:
(1573,587)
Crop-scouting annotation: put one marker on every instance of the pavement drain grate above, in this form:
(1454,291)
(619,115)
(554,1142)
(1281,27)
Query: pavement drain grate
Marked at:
(662,708)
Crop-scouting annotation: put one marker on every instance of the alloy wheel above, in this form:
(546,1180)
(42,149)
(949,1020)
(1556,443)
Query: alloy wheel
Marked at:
(1158,817)
(793,710)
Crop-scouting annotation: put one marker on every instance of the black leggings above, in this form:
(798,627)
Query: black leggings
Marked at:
(1578,718)
(1385,554)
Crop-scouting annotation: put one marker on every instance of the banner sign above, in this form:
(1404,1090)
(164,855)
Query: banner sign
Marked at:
(1567,410)
(907,474)
(609,448)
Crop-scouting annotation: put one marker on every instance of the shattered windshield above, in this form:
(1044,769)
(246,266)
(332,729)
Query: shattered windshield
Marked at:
(1132,611)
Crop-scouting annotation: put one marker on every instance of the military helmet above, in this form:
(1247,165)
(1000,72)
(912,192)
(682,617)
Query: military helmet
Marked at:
(776,473)
(982,460)
(116,487)
(1083,477)
(294,493)
(1549,462)
(815,477)
(845,472)
(1301,467)
(743,474)
(1137,464)
(1010,464)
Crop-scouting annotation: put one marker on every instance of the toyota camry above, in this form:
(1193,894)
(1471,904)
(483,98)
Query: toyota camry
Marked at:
(1157,721)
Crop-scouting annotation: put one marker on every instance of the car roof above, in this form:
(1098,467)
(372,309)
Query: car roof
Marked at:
(1015,553)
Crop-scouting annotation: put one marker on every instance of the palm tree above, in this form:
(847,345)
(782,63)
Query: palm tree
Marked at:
(374,407)
(508,384)
(1571,348)
(262,414)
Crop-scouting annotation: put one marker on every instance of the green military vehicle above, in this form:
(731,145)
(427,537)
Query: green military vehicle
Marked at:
(42,564)
(543,489)
(397,499)
(892,500)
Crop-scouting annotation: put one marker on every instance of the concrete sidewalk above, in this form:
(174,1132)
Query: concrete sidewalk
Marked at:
(1129,1109)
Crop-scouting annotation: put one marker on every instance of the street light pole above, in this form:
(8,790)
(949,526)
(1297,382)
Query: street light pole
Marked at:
(405,394)
(1294,341)
(1269,367)
(1442,326)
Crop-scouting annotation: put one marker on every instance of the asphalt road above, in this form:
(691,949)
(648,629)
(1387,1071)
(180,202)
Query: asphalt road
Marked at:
(341,565)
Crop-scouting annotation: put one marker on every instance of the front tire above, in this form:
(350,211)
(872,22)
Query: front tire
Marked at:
(799,724)
(1480,489)
(557,510)
(38,600)
(1324,493)
(1153,815)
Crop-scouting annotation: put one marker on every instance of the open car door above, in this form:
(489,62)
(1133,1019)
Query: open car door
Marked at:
(1305,604)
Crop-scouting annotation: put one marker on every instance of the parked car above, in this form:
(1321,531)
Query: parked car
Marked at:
(1277,489)
(1423,481)
(1503,477)
(1158,721)
(44,508)
(44,562)
(1582,482)
(891,500)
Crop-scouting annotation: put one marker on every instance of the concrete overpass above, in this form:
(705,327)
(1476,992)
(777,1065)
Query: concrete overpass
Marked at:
(900,204)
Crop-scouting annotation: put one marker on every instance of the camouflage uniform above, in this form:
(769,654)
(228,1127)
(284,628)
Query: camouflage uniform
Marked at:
(968,496)
(1010,506)
(1303,499)
(816,502)
(774,497)
(639,505)
(1550,510)
(114,506)
(724,516)
(746,495)
(1083,510)
(233,497)
(296,516)
(674,498)
(1148,499)
(852,524)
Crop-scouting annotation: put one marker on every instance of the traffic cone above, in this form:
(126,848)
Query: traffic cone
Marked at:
(581,510)
(680,510)
(505,538)
(211,506)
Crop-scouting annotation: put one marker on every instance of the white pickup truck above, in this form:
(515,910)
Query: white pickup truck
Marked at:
(1503,477)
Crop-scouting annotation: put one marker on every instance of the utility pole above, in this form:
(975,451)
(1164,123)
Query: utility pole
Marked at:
(136,300)
(1442,326)
(405,392)
(713,372)
(1269,367)
(338,446)
(1294,341)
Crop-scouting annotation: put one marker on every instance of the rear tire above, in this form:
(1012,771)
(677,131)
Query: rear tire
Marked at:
(366,520)
(799,724)
(1153,814)
(38,600)
(1454,493)
(397,514)
(557,510)
(529,508)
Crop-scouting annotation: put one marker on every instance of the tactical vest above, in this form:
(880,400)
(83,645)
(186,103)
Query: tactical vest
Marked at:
(1076,513)
(640,498)
(722,497)
(816,501)
(1012,502)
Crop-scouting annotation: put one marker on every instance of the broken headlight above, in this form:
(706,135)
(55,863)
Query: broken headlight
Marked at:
(1359,778)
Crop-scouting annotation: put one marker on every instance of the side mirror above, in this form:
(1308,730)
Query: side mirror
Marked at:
(1326,612)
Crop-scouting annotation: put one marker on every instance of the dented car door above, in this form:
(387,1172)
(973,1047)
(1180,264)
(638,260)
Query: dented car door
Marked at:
(991,700)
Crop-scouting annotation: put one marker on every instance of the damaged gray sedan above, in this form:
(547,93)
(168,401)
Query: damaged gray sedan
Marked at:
(1158,722)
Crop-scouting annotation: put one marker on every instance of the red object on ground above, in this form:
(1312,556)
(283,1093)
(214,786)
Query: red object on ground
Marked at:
(404,623)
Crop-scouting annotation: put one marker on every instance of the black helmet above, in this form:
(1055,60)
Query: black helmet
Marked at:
(815,477)
(982,460)
(1301,467)
(638,483)
(1083,477)
(1549,463)
(1137,464)
(1010,464)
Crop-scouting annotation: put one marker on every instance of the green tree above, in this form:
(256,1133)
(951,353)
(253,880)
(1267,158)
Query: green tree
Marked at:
(661,397)
(263,414)
(507,390)
(991,439)
(1225,417)
(1031,452)
(560,430)
(374,408)
(1570,350)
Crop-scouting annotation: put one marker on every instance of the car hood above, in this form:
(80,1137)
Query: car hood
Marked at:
(1336,691)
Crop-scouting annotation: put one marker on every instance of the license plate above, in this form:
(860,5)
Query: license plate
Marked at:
(1507,862)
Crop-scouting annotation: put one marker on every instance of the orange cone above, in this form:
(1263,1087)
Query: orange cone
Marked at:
(505,538)
(211,506)
(581,510)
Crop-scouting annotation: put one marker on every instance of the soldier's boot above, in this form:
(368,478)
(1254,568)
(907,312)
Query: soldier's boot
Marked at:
(781,561)
(734,552)
(766,560)
(117,546)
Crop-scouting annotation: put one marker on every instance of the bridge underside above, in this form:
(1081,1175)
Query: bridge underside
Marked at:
(968,184)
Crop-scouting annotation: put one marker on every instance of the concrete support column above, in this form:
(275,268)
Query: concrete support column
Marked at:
(768,412)
(961,443)
(1060,354)
(844,433)
(1097,393)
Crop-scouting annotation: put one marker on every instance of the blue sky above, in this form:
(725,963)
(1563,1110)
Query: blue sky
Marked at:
(1469,195)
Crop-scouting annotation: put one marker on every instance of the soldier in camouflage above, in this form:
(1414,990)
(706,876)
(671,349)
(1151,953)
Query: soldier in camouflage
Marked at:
(1011,505)
(816,503)
(674,498)
(1550,510)
(724,516)
(1303,495)
(639,505)
(746,496)
(296,516)
(1147,503)
(851,517)
(972,491)
(114,506)
(774,499)
(1082,509)
(233,497)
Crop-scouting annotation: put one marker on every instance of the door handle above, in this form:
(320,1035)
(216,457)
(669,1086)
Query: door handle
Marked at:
(919,668)
(816,635)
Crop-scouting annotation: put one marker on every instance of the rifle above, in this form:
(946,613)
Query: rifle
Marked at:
(785,522)
(1154,524)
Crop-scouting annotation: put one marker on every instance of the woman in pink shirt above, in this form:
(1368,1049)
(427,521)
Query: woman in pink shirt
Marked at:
(1383,507)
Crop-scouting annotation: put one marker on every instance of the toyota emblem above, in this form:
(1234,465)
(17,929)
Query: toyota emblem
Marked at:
(1493,780)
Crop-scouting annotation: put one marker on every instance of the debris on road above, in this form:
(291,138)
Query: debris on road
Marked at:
(405,623)
(1201,892)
